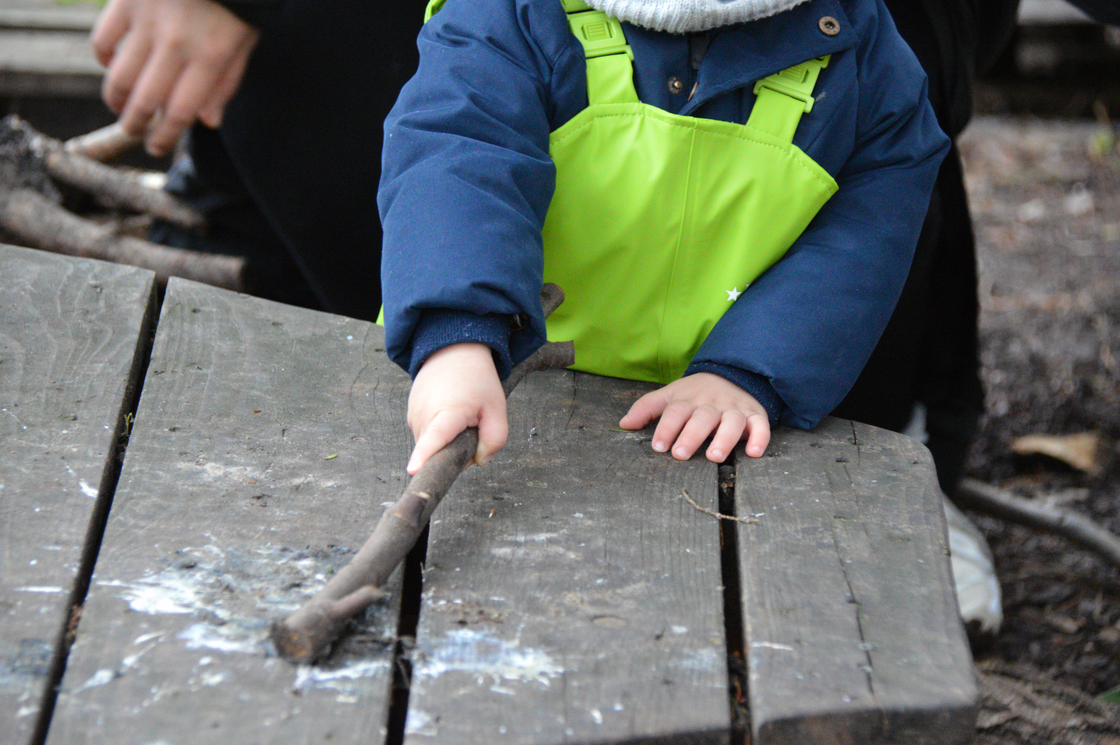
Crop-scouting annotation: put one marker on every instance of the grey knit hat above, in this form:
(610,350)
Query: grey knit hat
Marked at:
(686,16)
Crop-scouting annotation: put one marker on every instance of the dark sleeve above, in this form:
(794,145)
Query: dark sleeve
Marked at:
(1104,11)
(260,13)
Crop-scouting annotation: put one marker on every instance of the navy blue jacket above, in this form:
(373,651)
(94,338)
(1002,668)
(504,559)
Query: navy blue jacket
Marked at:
(467,179)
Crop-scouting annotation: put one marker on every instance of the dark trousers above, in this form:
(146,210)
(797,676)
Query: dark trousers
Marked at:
(290,179)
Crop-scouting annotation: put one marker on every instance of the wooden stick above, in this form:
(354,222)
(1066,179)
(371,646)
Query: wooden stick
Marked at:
(308,633)
(991,500)
(113,187)
(41,223)
(105,144)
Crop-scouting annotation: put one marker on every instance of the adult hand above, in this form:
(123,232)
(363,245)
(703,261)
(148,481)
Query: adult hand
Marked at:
(694,407)
(170,63)
(457,387)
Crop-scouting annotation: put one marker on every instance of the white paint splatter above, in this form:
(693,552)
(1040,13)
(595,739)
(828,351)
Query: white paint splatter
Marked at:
(161,593)
(88,490)
(39,589)
(341,679)
(224,638)
(420,723)
(102,677)
(486,657)
(771,645)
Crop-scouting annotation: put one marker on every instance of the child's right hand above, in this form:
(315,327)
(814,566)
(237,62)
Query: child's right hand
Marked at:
(457,387)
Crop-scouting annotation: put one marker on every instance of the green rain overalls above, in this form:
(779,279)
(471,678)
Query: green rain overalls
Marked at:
(660,221)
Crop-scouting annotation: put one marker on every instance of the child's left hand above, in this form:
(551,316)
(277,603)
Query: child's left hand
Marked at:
(694,407)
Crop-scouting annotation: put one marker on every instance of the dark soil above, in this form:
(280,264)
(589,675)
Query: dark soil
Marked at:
(1045,196)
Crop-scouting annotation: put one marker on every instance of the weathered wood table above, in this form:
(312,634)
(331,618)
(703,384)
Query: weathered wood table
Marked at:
(580,589)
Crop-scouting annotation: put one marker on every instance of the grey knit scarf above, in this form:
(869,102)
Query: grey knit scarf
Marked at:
(687,16)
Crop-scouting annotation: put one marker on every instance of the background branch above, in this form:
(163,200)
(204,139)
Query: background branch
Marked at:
(990,500)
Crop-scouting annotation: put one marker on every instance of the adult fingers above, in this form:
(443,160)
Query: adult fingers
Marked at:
(152,88)
(192,90)
(210,113)
(128,64)
(758,426)
(111,26)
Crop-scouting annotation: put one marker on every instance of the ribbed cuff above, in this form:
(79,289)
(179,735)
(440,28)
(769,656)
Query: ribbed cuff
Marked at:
(442,328)
(757,385)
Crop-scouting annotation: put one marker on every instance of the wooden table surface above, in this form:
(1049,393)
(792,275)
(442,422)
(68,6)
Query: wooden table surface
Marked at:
(576,590)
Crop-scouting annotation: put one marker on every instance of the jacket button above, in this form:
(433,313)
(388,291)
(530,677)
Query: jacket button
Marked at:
(829,26)
(676,85)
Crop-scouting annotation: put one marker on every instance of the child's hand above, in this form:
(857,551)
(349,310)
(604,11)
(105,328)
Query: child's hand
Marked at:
(695,406)
(457,387)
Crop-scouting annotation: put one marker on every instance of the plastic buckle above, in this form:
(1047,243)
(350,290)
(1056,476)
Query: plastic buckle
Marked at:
(796,82)
(599,33)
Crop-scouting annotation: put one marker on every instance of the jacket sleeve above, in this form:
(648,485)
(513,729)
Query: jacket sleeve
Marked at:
(466,183)
(809,324)
(259,13)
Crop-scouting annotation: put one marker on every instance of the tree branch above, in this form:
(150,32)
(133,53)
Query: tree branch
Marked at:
(103,145)
(308,633)
(39,222)
(991,500)
(112,187)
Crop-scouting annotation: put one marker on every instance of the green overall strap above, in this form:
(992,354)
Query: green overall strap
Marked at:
(784,96)
(610,68)
(432,8)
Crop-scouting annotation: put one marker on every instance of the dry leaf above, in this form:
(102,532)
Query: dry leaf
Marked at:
(1081,450)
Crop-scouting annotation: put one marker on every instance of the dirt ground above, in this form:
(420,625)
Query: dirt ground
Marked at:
(1045,196)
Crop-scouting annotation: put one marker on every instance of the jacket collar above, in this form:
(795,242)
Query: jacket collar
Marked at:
(755,50)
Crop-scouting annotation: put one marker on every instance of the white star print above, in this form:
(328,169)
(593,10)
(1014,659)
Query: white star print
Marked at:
(733,294)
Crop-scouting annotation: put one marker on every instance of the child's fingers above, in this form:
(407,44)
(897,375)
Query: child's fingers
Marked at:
(673,420)
(493,430)
(442,429)
(731,427)
(700,421)
(644,410)
(758,427)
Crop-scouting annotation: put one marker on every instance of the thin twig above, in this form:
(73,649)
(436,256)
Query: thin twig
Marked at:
(991,500)
(308,633)
(745,520)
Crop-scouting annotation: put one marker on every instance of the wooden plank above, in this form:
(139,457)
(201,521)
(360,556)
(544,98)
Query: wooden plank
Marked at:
(46,62)
(72,332)
(265,440)
(571,595)
(850,615)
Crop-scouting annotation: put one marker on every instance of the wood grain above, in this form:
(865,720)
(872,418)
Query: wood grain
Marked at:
(570,593)
(72,332)
(266,442)
(849,611)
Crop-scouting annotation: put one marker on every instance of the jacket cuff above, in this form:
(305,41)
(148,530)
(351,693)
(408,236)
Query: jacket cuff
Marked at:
(437,329)
(259,13)
(757,385)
